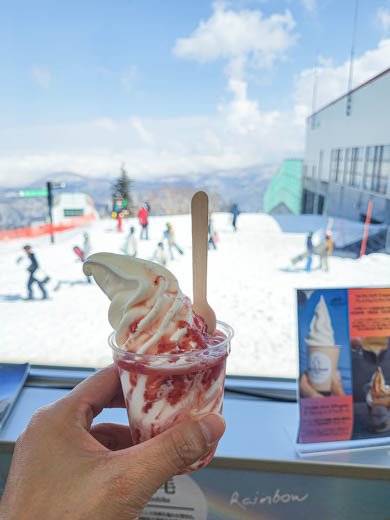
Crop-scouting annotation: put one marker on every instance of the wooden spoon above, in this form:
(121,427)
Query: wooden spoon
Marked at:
(200,215)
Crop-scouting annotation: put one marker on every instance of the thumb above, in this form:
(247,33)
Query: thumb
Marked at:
(172,452)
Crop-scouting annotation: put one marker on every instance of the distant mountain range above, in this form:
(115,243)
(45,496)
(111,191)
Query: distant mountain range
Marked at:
(244,186)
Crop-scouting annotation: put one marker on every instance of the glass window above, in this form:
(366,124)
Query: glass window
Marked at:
(376,170)
(337,165)
(354,167)
(158,101)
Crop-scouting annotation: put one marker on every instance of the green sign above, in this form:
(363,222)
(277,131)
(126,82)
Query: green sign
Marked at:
(33,193)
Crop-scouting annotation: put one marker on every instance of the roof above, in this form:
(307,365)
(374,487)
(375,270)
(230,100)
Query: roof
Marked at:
(371,80)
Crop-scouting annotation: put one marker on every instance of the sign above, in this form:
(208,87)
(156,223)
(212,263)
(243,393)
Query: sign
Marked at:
(33,193)
(344,368)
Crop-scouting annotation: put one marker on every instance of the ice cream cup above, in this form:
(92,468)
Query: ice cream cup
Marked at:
(322,365)
(161,390)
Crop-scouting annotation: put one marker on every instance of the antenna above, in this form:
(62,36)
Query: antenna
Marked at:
(351,60)
(315,85)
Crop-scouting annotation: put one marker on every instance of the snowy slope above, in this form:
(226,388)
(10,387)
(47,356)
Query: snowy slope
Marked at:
(251,286)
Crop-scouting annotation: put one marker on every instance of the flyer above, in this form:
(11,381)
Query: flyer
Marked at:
(344,367)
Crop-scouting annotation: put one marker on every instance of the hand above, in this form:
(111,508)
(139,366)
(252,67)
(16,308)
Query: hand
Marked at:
(64,468)
(307,390)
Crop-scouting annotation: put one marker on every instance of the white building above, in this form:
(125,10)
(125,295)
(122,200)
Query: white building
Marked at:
(69,205)
(347,154)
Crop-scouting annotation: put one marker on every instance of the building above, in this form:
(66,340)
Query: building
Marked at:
(284,191)
(347,154)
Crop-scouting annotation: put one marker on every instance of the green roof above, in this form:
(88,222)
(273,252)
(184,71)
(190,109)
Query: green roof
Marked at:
(285,187)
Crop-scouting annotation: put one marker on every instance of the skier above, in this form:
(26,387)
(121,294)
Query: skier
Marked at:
(235,212)
(143,215)
(169,236)
(212,235)
(160,255)
(35,276)
(86,245)
(130,245)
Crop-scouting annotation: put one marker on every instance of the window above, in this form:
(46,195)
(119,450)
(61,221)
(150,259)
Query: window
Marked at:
(377,169)
(337,165)
(73,212)
(354,167)
(320,164)
(164,92)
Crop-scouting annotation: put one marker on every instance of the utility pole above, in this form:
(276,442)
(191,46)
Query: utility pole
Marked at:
(351,60)
(49,186)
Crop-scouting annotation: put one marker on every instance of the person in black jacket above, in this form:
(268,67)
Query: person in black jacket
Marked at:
(32,268)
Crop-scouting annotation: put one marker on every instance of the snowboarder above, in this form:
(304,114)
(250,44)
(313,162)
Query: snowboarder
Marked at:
(235,212)
(143,215)
(36,275)
(130,244)
(169,236)
(325,249)
(309,251)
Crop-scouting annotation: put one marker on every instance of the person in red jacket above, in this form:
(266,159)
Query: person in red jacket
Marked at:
(143,215)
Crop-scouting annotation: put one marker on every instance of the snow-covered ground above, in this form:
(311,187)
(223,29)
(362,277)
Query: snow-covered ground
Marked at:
(251,286)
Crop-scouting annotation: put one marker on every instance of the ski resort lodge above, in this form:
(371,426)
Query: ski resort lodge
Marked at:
(347,155)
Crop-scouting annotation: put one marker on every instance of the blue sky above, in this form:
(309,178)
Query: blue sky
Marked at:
(172,87)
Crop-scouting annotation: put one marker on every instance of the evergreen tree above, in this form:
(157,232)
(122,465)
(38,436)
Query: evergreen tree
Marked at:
(121,188)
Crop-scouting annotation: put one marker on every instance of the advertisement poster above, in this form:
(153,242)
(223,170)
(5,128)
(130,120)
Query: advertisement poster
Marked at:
(344,365)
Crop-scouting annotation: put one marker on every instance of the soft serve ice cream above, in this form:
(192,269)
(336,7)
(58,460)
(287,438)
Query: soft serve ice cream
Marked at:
(170,367)
(323,353)
(321,330)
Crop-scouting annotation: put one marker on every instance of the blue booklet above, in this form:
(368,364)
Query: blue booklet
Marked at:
(12,378)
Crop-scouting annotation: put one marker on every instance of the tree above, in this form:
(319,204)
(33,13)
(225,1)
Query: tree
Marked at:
(121,191)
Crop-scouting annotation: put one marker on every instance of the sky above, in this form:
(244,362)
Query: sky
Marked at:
(174,87)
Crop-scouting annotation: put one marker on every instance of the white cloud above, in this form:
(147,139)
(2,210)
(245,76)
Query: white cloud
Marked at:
(144,134)
(332,80)
(383,18)
(240,134)
(42,76)
(228,34)
(106,123)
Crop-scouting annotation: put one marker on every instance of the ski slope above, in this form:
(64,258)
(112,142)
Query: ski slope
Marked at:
(251,286)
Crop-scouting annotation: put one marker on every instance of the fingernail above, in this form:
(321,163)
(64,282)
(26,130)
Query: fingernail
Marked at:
(212,426)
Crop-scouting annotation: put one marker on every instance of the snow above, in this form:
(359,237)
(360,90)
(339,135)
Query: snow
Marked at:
(251,286)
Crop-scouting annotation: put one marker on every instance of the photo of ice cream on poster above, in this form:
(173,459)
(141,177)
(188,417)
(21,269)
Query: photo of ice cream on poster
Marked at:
(371,385)
(325,384)
(325,366)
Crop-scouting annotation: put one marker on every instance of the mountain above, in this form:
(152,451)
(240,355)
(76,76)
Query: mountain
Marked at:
(244,186)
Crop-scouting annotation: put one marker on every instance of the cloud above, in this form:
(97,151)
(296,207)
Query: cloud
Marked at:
(239,134)
(228,34)
(383,18)
(106,123)
(332,80)
(139,127)
(42,76)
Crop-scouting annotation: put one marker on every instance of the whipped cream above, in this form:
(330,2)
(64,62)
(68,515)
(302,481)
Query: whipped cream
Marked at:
(321,330)
(147,306)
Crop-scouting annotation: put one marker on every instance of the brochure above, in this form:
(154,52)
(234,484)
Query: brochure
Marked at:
(344,368)
(12,378)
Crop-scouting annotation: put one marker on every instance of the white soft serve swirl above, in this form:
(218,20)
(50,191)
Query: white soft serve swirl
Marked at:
(321,330)
(130,285)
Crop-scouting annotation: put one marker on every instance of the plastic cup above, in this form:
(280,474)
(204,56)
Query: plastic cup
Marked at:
(161,390)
